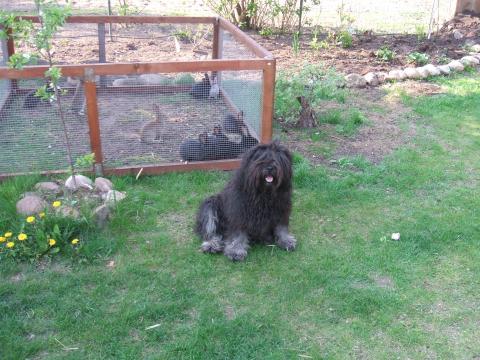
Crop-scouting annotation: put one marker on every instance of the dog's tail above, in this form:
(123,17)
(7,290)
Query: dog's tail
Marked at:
(210,224)
(208,218)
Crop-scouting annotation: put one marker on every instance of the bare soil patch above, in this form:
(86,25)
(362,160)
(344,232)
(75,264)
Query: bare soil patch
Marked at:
(361,59)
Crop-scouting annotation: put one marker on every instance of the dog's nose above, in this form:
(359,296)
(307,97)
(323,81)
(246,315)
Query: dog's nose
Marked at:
(269,168)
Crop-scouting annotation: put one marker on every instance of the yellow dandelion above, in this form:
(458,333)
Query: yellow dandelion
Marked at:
(31,219)
(75,241)
(51,242)
(8,234)
(56,204)
(2,239)
(10,244)
(22,236)
(42,215)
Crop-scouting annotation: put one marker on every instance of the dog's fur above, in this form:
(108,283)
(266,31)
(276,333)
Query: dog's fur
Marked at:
(250,208)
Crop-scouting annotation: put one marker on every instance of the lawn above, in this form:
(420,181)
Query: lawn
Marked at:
(347,292)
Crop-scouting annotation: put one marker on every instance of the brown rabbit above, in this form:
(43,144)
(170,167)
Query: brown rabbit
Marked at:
(151,131)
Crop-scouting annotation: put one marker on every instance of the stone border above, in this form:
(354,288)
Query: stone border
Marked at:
(376,78)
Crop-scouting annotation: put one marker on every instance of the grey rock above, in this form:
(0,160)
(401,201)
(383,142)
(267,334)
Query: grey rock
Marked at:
(469,60)
(68,211)
(469,43)
(412,73)
(154,79)
(457,34)
(129,81)
(444,69)
(355,81)
(456,65)
(73,183)
(114,196)
(48,187)
(381,76)
(397,75)
(423,72)
(103,185)
(432,70)
(31,204)
(102,215)
(371,79)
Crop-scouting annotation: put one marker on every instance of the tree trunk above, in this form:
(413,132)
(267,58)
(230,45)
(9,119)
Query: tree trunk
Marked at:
(472,6)
(307,116)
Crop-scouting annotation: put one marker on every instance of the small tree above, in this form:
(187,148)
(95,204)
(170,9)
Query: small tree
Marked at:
(52,16)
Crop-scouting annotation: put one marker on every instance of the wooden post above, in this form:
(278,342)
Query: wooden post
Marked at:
(268,89)
(10,52)
(93,121)
(102,51)
(217,51)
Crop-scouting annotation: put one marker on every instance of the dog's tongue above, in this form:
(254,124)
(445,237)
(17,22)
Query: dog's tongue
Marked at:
(269,178)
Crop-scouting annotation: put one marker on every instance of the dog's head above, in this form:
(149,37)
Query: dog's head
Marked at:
(267,167)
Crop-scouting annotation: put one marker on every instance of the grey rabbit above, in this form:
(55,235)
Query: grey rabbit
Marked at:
(233,123)
(193,149)
(201,90)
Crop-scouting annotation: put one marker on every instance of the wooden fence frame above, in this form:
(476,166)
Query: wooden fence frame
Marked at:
(264,61)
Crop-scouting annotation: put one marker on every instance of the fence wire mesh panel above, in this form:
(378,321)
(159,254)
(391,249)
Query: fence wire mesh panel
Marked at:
(233,49)
(244,90)
(32,132)
(387,15)
(183,119)
(79,43)
(146,119)
(159,42)
(5,85)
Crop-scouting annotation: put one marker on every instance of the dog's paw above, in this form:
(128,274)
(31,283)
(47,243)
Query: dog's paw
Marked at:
(286,242)
(235,253)
(213,246)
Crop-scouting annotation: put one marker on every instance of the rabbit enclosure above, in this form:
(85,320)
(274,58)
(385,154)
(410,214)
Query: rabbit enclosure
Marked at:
(143,93)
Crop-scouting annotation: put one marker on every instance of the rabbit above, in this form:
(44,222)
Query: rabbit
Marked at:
(248,140)
(201,90)
(151,132)
(214,89)
(225,148)
(233,123)
(193,149)
(32,100)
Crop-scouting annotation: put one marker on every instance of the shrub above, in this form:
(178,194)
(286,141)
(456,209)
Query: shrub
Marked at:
(260,14)
(418,58)
(345,39)
(312,81)
(385,54)
(420,31)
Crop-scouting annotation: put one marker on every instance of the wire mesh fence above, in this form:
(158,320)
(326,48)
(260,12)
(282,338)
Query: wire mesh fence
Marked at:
(142,117)
(179,120)
(33,135)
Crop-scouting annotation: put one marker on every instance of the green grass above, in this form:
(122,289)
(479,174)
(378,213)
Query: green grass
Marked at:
(347,292)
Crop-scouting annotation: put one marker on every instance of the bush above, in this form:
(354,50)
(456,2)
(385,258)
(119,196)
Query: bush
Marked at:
(385,54)
(312,81)
(260,14)
(418,58)
(345,39)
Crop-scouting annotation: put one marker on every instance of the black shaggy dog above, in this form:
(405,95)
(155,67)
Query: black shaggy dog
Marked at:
(253,207)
